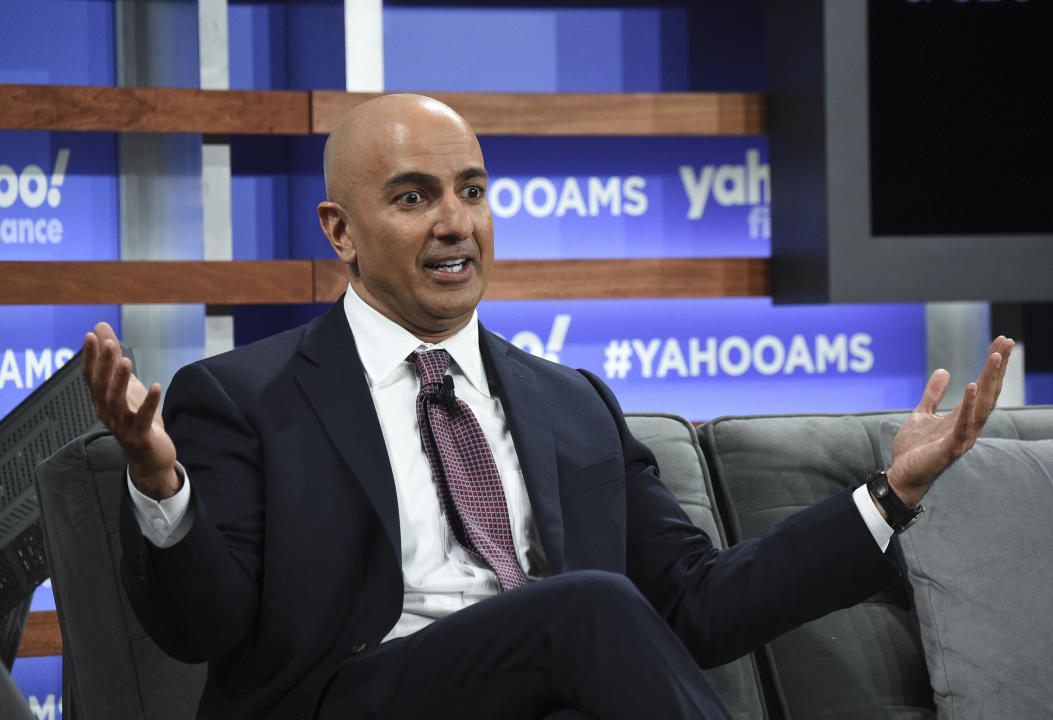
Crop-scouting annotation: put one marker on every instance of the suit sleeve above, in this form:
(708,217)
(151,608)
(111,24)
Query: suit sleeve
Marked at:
(199,597)
(725,603)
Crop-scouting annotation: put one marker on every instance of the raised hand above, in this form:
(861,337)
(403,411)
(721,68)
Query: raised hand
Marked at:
(930,441)
(129,410)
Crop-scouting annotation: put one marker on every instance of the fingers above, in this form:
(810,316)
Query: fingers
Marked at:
(1001,345)
(108,374)
(968,426)
(117,388)
(105,332)
(144,417)
(88,356)
(103,375)
(935,389)
(993,374)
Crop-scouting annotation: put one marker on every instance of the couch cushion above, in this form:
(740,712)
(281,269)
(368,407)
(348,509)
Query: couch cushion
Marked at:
(866,661)
(675,444)
(116,669)
(978,562)
(862,662)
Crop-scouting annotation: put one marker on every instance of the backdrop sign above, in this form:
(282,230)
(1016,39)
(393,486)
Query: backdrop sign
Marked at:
(604,197)
(705,358)
(58,196)
(58,201)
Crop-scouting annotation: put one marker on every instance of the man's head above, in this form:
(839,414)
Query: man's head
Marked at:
(406,210)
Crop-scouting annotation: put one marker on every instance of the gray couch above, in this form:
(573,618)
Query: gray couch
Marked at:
(747,473)
(736,476)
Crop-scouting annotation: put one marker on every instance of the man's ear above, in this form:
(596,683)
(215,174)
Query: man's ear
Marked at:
(333,219)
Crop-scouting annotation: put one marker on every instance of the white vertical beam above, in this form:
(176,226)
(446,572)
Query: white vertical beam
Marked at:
(215,167)
(1013,388)
(957,337)
(364,45)
(212,44)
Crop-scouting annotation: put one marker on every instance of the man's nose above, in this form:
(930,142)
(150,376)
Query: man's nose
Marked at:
(453,220)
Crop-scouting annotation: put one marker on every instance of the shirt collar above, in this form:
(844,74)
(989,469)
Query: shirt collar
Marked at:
(384,344)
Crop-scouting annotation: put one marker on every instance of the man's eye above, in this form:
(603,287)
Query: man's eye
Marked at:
(411,198)
(473,192)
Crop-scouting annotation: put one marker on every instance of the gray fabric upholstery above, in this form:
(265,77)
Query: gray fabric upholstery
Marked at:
(979,564)
(111,668)
(867,661)
(675,444)
(864,662)
(12,705)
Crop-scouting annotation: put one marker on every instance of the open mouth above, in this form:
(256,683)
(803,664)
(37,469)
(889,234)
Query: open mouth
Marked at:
(449,266)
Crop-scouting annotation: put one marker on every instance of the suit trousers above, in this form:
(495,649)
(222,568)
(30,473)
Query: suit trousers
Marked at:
(583,644)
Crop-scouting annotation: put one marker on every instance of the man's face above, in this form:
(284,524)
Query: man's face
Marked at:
(418,234)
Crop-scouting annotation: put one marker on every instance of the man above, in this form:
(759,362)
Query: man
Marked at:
(319,546)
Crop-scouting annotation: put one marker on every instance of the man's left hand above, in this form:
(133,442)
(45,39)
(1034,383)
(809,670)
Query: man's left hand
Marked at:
(930,441)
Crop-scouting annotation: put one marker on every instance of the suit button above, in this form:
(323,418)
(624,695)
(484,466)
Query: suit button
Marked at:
(358,648)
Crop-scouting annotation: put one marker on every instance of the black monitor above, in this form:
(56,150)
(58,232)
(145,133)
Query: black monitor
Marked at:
(910,150)
(54,414)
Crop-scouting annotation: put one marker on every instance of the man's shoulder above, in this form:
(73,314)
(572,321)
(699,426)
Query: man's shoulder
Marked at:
(250,364)
(277,347)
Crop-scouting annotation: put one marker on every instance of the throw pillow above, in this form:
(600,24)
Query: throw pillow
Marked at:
(980,563)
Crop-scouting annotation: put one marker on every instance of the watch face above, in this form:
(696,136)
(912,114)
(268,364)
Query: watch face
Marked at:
(879,485)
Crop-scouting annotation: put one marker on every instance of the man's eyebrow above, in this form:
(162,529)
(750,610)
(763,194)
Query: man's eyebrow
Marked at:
(414,177)
(471,173)
(411,178)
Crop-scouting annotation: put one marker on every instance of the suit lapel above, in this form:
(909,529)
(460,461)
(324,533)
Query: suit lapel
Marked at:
(334,382)
(531,427)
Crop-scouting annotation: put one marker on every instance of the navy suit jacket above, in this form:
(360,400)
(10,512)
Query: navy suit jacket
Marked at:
(293,560)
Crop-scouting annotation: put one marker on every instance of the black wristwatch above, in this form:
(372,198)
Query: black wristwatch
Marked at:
(900,516)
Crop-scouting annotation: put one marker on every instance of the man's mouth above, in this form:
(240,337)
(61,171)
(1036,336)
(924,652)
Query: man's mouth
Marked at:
(449,266)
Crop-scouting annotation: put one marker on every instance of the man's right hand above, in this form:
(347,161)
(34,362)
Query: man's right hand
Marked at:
(129,410)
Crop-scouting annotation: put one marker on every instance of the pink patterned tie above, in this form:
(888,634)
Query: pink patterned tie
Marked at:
(468,480)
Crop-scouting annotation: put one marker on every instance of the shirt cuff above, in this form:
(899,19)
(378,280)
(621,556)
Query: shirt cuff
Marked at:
(163,522)
(877,525)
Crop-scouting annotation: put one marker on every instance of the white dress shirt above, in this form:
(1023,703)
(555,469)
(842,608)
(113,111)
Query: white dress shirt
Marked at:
(439,576)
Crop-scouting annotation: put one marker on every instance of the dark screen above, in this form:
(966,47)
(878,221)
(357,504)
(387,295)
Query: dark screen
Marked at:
(961,116)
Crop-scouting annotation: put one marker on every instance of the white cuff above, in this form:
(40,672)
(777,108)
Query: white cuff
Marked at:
(164,522)
(879,528)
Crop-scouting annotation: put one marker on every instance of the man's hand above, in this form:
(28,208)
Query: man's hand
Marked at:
(930,441)
(129,410)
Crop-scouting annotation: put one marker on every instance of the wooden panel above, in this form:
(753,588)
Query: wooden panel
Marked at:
(126,109)
(42,635)
(213,282)
(268,112)
(541,279)
(330,280)
(246,282)
(578,113)
(678,277)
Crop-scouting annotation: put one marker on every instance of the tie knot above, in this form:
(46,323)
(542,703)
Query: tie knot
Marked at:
(431,366)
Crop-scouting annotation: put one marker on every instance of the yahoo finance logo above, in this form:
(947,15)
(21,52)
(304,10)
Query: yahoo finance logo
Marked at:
(31,189)
(732,185)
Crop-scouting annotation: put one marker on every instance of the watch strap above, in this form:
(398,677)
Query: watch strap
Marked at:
(900,516)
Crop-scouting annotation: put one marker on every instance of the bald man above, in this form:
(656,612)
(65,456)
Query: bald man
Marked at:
(284,521)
